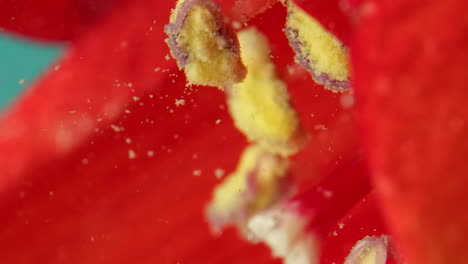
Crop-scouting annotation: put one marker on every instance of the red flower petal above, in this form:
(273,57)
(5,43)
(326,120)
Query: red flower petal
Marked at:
(245,9)
(51,19)
(363,220)
(326,203)
(89,88)
(410,69)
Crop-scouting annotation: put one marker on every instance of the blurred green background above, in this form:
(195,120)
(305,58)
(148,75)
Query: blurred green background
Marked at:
(21,61)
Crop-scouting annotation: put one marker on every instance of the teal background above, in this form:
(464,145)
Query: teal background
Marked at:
(21,60)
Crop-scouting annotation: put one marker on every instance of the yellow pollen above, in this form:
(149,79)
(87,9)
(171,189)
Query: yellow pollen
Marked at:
(260,104)
(211,60)
(325,52)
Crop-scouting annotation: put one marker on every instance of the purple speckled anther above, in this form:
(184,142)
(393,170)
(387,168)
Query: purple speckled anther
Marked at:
(173,30)
(308,64)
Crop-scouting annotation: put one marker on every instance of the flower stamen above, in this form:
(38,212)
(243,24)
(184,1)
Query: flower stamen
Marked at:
(203,45)
(257,182)
(260,104)
(260,108)
(317,50)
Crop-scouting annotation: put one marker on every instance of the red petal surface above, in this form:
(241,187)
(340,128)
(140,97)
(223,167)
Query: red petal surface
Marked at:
(327,202)
(51,19)
(363,220)
(89,87)
(245,9)
(410,68)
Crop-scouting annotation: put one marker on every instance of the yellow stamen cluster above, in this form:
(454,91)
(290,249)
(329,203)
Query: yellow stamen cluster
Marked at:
(260,108)
(258,100)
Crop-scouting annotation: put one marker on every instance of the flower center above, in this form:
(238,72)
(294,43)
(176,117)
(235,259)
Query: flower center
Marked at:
(258,100)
